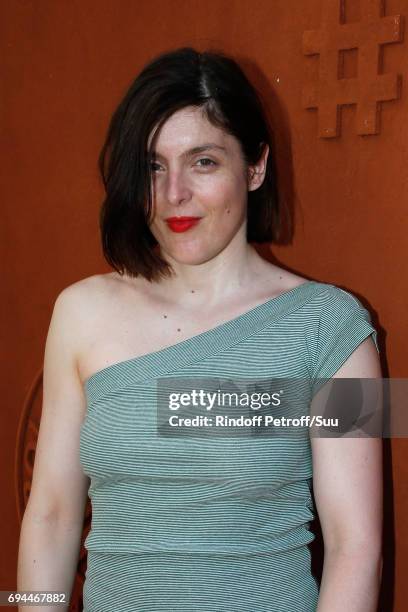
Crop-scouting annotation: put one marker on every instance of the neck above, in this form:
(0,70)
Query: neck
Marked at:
(216,280)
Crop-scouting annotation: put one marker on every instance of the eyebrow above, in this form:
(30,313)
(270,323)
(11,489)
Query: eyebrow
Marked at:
(204,147)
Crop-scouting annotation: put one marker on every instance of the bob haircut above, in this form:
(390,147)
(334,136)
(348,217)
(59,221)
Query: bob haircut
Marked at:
(170,82)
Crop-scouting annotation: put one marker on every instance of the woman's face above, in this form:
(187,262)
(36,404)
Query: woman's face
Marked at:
(198,171)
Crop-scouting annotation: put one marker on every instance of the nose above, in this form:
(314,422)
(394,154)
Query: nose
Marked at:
(177,187)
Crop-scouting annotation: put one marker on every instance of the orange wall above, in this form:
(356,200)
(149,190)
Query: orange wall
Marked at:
(64,67)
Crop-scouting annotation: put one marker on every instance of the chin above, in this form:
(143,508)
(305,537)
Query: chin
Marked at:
(190,257)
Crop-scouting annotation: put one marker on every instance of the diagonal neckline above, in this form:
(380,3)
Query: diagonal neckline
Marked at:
(190,349)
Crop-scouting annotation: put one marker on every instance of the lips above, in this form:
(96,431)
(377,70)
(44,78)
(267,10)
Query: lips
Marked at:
(182,224)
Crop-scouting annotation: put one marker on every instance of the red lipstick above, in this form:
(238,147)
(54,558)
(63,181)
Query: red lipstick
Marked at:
(181,224)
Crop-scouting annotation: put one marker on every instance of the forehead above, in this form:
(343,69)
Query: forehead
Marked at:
(187,128)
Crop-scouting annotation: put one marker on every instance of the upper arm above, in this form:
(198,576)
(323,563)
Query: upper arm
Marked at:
(347,473)
(59,486)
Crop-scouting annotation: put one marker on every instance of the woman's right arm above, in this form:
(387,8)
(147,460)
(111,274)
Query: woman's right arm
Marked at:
(52,525)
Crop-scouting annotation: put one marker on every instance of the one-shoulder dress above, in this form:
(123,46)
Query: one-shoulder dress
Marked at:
(210,524)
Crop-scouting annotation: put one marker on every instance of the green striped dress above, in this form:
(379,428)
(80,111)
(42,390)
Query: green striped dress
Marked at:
(207,523)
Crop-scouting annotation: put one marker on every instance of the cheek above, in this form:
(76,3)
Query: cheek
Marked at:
(226,197)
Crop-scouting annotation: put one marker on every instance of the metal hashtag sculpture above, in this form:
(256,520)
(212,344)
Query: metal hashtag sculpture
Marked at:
(369,87)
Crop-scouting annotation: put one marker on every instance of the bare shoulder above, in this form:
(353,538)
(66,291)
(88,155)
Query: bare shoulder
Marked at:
(86,297)
(87,288)
(92,307)
(79,306)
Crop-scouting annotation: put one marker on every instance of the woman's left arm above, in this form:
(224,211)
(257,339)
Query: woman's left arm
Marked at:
(347,483)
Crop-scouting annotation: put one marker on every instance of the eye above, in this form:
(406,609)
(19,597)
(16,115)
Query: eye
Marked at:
(207,162)
(154,166)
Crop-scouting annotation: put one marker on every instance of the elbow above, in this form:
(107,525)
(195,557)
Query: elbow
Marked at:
(365,545)
(51,516)
(40,516)
(367,554)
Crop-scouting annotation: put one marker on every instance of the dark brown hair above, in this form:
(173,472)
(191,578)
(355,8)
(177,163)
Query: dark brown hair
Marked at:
(172,81)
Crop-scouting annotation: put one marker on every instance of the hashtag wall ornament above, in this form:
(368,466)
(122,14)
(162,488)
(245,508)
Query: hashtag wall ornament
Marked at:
(369,88)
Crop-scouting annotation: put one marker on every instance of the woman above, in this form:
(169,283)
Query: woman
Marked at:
(186,523)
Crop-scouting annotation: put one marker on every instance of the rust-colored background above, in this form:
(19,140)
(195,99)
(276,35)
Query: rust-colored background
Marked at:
(64,67)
